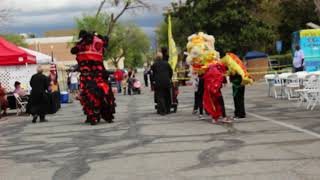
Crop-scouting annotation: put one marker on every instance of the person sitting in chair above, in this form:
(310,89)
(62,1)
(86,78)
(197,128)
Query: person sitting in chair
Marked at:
(20,91)
(3,101)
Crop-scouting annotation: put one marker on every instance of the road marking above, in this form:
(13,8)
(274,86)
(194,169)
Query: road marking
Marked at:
(296,128)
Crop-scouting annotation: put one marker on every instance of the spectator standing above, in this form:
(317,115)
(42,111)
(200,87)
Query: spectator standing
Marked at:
(130,83)
(298,60)
(146,74)
(162,75)
(125,84)
(74,82)
(118,75)
(39,98)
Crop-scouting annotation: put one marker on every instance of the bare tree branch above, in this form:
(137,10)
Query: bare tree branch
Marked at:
(100,7)
(125,6)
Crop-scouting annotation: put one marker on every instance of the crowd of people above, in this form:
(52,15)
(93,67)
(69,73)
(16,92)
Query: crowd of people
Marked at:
(126,82)
(91,83)
(38,101)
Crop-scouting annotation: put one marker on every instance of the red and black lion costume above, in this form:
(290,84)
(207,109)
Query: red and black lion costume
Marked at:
(96,95)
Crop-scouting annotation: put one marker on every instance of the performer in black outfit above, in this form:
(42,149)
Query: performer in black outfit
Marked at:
(238,96)
(96,94)
(39,100)
(162,75)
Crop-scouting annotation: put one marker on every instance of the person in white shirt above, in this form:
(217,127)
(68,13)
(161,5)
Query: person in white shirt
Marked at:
(74,82)
(298,60)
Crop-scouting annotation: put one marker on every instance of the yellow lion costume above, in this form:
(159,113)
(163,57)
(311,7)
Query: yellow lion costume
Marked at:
(202,54)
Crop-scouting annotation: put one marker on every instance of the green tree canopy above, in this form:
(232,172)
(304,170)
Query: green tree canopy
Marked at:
(239,25)
(15,39)
(126,40)
(294,16)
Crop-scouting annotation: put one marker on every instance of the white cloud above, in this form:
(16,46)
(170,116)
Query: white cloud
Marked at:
(29,13)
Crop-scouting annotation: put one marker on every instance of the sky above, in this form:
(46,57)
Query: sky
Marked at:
(38,16)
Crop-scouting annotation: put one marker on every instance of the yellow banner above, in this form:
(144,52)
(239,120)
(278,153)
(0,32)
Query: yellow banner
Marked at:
(310,33)
(173,52)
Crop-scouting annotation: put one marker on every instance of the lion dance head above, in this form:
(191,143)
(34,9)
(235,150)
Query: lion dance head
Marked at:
(201,52)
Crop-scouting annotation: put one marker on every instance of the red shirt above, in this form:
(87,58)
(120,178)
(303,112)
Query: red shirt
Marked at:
(118,75)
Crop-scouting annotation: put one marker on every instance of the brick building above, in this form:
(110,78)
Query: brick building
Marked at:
(58,46)
(59,42)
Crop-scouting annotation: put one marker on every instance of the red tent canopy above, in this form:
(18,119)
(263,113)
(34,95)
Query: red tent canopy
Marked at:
(10,54)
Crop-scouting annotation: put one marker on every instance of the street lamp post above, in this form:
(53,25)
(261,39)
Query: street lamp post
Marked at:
(52,53)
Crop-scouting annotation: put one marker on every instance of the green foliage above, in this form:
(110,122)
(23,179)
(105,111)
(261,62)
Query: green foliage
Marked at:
(15,39)
(295,14)
(92,23)
(232,22)
(239,25)
(126,40)
(283,60)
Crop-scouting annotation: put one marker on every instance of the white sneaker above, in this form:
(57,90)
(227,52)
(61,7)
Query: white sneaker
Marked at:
(201,117)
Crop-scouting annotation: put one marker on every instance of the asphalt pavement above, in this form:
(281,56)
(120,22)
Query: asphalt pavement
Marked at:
(277,141)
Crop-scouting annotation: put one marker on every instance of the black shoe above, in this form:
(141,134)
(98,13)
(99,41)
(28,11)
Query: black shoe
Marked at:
(43,120)
(34,120)
(110,121)
(93,123)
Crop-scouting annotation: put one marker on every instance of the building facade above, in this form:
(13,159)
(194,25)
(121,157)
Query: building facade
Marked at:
(59,47)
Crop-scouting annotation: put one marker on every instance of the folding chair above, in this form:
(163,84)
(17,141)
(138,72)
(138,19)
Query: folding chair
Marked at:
(21,105)
(314,95)
(305,95)
(269,78)
(292,84)
(277,87)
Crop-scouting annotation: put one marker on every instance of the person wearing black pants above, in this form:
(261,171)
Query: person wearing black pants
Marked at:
(199,96)
(238,96)
(145,77)
(221,101)
(162,75)
(39,101)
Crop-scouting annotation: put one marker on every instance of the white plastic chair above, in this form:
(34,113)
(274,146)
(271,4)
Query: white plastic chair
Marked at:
(306,94)
(269,78)
(277,87)
(314,95)
(292,83)
(20,105)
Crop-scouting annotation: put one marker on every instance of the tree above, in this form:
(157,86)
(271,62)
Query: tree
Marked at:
(294,16)
(233,22)
(128,41)
(15,39)
(123,5)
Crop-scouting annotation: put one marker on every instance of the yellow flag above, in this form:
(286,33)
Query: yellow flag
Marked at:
(173,52)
